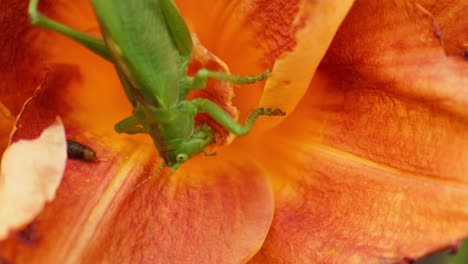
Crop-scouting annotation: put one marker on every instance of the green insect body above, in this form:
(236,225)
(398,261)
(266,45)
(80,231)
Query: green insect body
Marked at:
(150,46)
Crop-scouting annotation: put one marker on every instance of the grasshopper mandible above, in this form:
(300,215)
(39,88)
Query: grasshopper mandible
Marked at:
(150,46)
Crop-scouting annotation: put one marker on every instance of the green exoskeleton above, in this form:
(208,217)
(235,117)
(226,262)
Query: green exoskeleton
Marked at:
(151,47)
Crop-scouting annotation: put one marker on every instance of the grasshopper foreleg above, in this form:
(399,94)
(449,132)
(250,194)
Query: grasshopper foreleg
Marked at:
(93,43)
(209,154)
(224,119)
(130,125)
(200,79)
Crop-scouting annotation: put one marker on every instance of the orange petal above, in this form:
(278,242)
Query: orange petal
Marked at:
(341,208)
(372,165)
(31,171)
(219,212)
(212,214)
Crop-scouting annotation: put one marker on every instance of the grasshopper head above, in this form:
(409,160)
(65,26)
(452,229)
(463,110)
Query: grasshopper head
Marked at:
(201,138)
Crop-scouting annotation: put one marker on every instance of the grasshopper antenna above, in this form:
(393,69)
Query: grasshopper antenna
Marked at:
(163,184)
(160,188)
(161,167)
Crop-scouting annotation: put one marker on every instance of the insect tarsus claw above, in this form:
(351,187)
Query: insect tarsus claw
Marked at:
(278,112)
(209,154)
(271,111)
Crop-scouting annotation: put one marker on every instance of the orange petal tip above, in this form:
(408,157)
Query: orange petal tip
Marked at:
(290,81)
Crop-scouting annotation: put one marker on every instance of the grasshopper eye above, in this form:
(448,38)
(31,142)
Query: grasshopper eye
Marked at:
(181,157)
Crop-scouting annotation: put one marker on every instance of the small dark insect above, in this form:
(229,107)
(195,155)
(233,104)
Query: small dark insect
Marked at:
(76,150)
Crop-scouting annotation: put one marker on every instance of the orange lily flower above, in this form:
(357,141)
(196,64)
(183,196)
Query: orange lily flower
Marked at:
(369,165)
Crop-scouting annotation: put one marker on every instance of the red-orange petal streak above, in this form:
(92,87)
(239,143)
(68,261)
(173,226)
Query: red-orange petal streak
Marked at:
(21,69)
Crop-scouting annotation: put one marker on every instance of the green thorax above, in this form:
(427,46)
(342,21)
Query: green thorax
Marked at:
(175,134)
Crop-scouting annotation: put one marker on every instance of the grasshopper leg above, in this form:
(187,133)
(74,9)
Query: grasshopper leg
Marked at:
(130,125)
(201,77)
(209,154)
(91,42)
(224,119)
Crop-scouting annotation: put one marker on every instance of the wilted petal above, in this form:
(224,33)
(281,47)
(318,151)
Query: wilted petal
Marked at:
(31,171)
(372,165)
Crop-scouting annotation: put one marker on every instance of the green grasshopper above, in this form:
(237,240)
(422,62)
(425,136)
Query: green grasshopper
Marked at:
(150,46)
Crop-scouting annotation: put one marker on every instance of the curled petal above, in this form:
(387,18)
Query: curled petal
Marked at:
(31,171)
(316,24)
